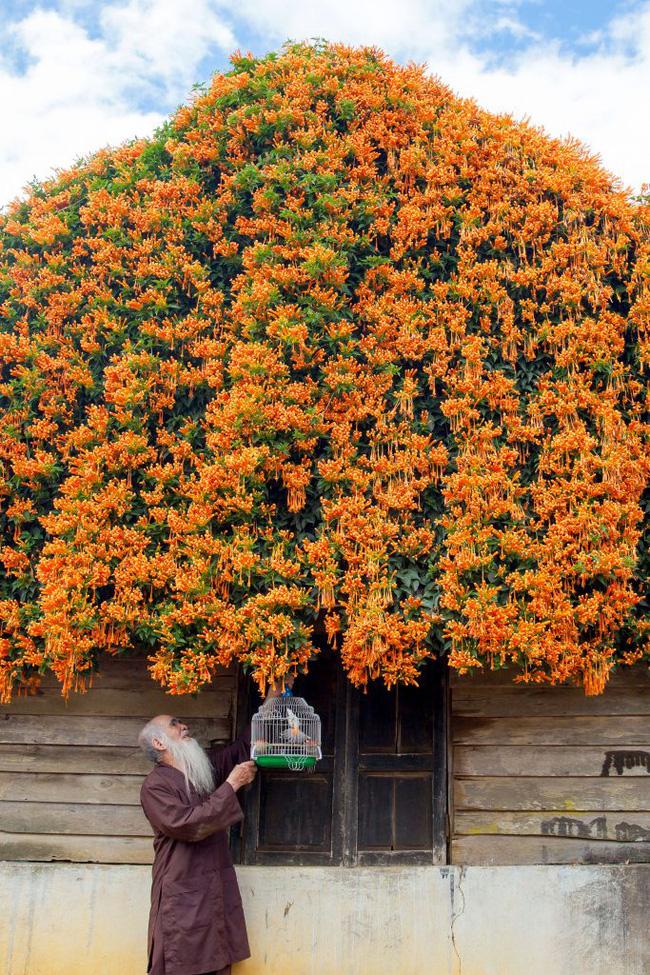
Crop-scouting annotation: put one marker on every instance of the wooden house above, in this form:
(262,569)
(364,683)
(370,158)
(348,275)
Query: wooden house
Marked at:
(468,822)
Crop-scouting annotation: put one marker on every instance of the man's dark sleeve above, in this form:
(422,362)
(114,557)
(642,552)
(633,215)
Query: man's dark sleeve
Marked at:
(179,819)
(224,758)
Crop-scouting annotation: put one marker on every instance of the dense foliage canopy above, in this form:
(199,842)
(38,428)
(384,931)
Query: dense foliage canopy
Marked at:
(334,352)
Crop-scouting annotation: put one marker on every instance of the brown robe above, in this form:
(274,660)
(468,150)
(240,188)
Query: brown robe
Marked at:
(196,924)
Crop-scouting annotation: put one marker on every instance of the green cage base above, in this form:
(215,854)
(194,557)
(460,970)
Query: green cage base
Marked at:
(294,762)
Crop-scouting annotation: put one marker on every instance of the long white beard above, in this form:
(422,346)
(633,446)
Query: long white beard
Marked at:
(193,762)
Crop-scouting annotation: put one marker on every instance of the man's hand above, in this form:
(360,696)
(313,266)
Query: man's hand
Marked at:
(242,774)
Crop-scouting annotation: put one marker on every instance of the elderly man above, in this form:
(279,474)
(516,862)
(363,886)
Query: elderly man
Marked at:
(196,924)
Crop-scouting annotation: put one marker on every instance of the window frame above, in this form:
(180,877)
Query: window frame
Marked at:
(347,764)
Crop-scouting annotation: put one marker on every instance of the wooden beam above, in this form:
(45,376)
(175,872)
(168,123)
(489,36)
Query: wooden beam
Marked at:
(567,794)
(520,850)
(620,826)
(63,787)
(346,784)
(540,731)
(142,702)
(115,671)
(73,758)
(71,818)
(73,729)
(78,849)
(634,676)
(548,702)
(572,760)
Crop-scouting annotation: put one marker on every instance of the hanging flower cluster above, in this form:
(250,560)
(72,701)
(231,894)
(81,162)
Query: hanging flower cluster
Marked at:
(334,353)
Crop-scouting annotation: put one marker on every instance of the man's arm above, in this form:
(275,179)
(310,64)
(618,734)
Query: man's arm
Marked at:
(177,818)
(224,758)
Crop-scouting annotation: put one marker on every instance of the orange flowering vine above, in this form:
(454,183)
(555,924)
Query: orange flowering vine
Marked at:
(335,352)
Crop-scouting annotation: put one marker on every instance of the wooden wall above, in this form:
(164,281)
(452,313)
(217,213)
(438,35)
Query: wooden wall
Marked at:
(547,775)
(70,773)
(537,775)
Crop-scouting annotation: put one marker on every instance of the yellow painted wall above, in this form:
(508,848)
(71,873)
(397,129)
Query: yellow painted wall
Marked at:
(76,919)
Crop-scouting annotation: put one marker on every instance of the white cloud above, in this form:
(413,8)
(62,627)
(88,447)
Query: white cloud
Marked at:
(164,39)
(407,27)
(84,89)
(81,92)
(600,97)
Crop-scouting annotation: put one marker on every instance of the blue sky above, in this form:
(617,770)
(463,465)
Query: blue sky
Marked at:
(76,75)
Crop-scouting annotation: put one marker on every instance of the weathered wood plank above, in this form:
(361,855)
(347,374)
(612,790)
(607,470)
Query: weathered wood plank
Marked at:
(72,819)
(514,760)
(61,787)
(113,671)
(548,702)
(562,793)
(520,850)
(623,677)
(541,731)
(75,729)
(620,826)
(73,758)
(77,849)
(144,702)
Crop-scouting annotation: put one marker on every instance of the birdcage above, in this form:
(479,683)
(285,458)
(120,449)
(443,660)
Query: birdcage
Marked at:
(285,733)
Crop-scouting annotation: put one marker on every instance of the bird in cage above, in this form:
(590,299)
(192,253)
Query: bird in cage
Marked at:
(294,734)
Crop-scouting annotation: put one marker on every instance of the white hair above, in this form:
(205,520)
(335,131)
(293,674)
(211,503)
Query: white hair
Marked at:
(186,753)
(145,740)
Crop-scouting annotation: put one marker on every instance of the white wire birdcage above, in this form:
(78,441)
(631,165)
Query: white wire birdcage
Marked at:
(285,733)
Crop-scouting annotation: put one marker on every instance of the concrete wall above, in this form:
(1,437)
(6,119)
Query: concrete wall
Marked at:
(69,919)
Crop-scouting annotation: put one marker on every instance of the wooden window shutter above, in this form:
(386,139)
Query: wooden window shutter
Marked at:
(380,793)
